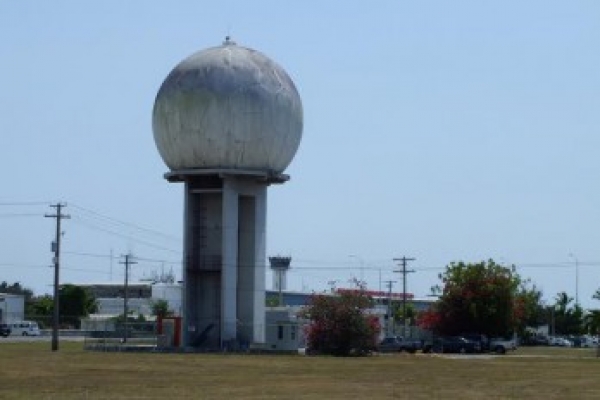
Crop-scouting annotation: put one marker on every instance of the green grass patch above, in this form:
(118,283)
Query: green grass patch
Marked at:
(32,371)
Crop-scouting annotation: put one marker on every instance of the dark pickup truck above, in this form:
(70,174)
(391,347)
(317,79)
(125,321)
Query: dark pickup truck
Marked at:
(394,344)
(453,344)
(5,330)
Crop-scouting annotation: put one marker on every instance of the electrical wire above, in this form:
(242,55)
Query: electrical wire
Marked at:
(12,265)
(111,232)
(123,223)
(18,215)
(26,203)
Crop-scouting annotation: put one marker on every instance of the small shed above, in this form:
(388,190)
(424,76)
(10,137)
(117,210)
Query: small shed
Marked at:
(284,329)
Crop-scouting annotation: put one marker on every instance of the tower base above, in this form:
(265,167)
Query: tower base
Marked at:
(224,256)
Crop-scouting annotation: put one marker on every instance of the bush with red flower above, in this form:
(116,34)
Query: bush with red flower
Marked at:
(484,298)
(340,325)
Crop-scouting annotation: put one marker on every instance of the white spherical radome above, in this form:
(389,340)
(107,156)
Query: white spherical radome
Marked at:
(228,107)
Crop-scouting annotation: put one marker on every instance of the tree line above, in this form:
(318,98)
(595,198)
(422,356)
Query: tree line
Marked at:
(485,298)
(75,303)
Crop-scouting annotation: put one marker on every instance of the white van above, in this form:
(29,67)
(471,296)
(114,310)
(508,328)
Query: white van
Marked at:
(24,328)
(588,341)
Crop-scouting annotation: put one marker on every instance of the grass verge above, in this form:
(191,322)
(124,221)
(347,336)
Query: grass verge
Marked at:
(32,371)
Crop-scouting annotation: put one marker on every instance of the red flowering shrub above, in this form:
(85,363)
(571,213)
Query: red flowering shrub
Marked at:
(428,320)
(340,325)
(484,298)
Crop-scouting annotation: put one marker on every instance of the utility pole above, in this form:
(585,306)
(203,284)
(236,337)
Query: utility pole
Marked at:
(389,285)
(128,261)
(404,272)
(59,216)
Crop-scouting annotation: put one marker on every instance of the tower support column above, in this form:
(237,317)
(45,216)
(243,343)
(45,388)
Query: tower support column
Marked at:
(229,272)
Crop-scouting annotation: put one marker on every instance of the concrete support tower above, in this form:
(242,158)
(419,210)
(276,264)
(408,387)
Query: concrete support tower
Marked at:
(227,121)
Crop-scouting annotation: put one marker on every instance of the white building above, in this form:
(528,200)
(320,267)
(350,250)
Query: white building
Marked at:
(12,307)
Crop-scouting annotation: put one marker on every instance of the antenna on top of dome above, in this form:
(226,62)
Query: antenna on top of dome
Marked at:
(228,41)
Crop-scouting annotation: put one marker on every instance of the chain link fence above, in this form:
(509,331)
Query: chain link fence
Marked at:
(111,335)
(281,333)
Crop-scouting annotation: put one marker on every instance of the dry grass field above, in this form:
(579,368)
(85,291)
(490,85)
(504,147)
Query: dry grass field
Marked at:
(32,371)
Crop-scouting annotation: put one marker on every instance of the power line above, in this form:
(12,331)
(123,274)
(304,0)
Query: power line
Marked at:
(140,241)
(94,255)
(17,215)
(108,256)
(159,261)
(127,224)
(9,265)
(26,203)
(99,217)
(16,265)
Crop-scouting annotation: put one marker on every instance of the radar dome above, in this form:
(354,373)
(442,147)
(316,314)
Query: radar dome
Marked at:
(227,107)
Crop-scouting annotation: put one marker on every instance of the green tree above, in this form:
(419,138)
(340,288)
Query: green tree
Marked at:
(40,306)
(411,312)
(591,322)
(476,298)
(272,301)
(160,308)
(16,288)
(75,302)
(532,308)
(340,325)
(568,318)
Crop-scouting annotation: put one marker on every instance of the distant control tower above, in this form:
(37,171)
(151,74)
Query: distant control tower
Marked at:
(280,266)
(227,121)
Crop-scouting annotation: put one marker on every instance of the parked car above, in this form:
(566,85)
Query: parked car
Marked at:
(5,330)
(501,346)
(560,341)
(575,340)
(455,344)
(483,340)
(393,344)
(588,341)
(538,341)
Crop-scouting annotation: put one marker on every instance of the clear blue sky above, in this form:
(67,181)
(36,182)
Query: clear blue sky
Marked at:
(439,130)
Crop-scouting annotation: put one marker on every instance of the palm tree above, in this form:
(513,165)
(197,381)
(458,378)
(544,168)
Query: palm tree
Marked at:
(562,302)
(592,318)
(160,308)
(591,322)
(567,319)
